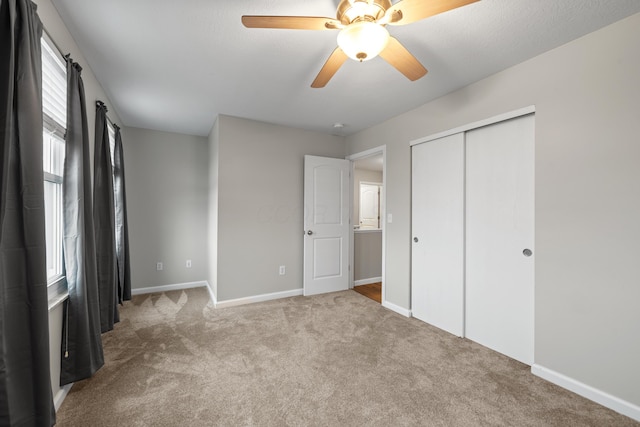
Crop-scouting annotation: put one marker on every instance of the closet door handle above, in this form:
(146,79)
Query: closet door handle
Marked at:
(527,252)
(415,239)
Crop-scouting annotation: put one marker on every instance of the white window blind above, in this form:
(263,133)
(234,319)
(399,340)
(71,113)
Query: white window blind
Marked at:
(54,89)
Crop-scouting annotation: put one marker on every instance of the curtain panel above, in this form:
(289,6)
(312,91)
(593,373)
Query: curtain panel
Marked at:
(122,228)
(25,382)
(82,353)
(104,222)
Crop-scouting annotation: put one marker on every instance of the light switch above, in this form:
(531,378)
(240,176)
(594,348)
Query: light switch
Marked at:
(389,218)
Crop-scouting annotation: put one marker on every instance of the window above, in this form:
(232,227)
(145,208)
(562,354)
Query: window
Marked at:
(54,106)
(112,140)
(114,173)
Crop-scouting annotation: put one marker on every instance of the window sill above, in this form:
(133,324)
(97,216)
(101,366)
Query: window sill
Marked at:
(57,290)
(56,300)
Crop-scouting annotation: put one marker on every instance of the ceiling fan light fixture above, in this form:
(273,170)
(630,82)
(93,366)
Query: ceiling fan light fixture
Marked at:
(358,10)
(363,40)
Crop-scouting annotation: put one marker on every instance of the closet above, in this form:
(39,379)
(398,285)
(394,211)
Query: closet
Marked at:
(472,230)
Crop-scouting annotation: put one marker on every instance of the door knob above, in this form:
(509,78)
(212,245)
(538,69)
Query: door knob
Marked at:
(309,232)
(415,239)
(527,252)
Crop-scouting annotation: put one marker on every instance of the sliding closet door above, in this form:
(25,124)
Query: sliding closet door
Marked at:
(499,237)
(438,233)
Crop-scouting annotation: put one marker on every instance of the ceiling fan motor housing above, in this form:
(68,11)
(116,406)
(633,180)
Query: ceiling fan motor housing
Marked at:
(350,11)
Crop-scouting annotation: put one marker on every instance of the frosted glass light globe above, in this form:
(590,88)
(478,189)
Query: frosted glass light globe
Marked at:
(363,40)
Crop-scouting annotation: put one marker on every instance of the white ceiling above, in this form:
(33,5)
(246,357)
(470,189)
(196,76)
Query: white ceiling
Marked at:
(175,65)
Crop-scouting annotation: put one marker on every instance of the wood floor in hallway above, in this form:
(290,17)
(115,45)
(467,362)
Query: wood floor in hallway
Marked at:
(372,290)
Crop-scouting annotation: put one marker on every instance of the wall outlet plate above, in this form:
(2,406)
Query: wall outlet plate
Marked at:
(159,266)
(282,270)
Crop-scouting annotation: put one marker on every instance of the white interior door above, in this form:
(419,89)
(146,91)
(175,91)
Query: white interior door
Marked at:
(369,205)
(499,228)
(326,225)
(437,272)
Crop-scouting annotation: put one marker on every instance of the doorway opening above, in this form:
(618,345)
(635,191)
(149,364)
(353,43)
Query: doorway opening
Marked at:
(367,237)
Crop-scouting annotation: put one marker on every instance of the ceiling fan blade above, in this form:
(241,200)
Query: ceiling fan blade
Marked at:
(335,61)
(408,11)
(291,22)
(398,56)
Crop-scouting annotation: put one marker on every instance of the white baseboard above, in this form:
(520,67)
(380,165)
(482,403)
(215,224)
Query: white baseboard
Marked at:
(60,395)
(165,288)
(605,399)
(258,298)
(367,281)
(396,308)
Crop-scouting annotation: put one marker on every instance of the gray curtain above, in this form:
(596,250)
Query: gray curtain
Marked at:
(122,228)
(82,352)
(104,222)
(25,383)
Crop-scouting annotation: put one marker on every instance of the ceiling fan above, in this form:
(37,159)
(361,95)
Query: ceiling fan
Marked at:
(363,35)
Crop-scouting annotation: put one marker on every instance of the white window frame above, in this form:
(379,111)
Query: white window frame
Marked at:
(54,94)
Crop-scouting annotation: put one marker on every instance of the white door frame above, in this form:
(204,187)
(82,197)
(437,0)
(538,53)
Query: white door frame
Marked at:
(383,212)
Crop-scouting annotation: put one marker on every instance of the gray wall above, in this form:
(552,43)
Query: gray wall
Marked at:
(260,206)
(362,175)
(167,179)
(587,96)
(214,153)
(93,91)
(367,258)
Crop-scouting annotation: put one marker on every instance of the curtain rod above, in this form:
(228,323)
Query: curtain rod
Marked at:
(98,102)
(112,122)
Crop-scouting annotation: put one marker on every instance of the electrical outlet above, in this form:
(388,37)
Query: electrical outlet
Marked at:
(159,266)
(188,263)
(282,270)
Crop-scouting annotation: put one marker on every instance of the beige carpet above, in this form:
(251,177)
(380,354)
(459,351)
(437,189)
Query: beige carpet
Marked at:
(332,360)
